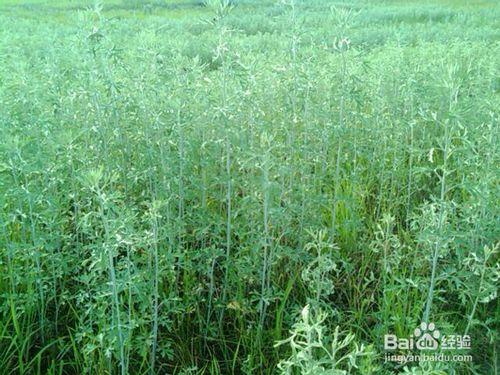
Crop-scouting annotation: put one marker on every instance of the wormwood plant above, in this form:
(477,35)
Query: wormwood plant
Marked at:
(389,248)
(484,286)
(314,351)
(177,181)
(342,18)
(317,275)
(452,86)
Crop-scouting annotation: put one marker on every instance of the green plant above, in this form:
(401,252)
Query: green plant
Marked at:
(178,178)
(314,352)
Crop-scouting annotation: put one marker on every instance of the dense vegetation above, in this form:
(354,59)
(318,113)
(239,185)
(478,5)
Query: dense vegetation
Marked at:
(249,188)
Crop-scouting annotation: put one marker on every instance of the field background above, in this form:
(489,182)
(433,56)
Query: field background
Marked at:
(258,188)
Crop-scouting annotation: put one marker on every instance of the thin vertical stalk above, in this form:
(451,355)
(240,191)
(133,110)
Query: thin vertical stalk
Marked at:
(410,176)
(437,245)
(154,332)
(112,275)
(265,277)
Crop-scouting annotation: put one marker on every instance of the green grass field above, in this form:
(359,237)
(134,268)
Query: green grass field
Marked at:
(249,187)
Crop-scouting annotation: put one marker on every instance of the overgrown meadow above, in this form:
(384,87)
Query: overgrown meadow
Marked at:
(247,187)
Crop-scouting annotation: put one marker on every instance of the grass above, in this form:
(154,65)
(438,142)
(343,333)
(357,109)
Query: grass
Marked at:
(251,188)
